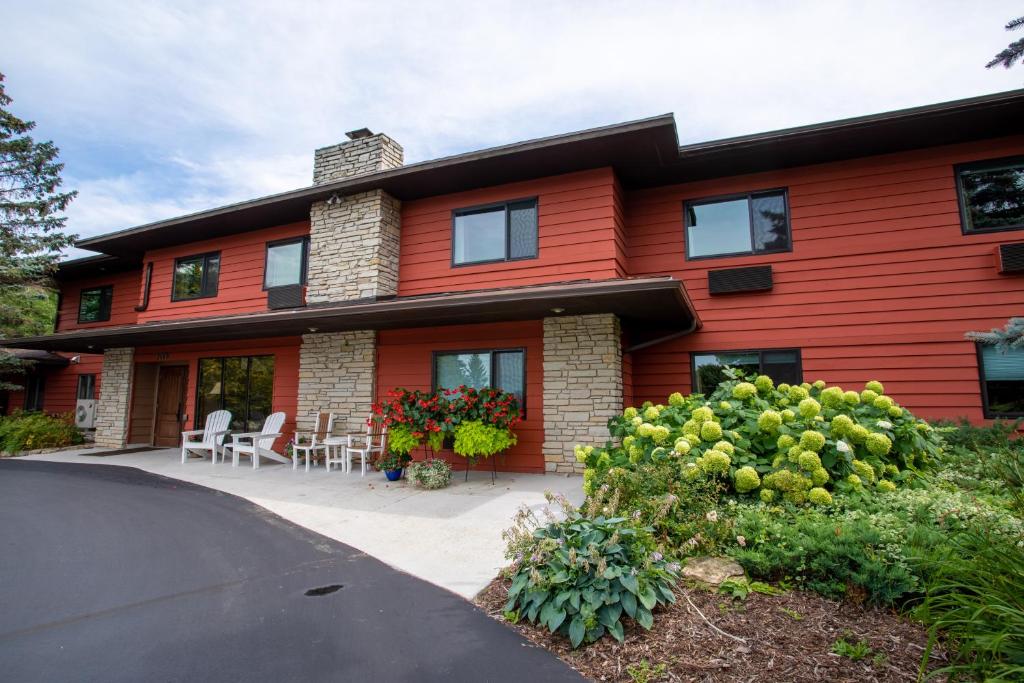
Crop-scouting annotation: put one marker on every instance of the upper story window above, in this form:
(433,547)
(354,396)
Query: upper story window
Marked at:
(991,195)
(94,304)
(1002,381)
(196,277)
(503,369)
(498,232)
(287,261)
(753,223)
(782,365)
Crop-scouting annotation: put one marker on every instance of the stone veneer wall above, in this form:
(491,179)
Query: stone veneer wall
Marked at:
(112,410)
(336,373)
(356,157)
(354,248)
(582,385)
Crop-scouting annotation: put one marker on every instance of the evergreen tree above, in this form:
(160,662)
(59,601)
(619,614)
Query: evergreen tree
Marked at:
(1013,51)
(1009,337)
(31,228)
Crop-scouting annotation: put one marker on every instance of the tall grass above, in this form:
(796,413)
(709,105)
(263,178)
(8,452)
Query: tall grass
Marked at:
(975,601)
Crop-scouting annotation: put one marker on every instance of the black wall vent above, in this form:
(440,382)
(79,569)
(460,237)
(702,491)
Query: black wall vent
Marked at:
(749,279)
(288,296)
(1011,257)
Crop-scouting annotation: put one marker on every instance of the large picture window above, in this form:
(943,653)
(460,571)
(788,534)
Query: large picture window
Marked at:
(94,304)
(242,384)
(782,365)
(499,232)
(1002,381)
(503,369)
(196,277)
(991,195)
(286,263)
(754,223)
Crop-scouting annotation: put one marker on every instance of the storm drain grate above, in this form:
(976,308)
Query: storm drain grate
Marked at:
(323,590)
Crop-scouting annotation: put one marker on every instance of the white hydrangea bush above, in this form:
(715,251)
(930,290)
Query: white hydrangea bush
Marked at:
(794,443)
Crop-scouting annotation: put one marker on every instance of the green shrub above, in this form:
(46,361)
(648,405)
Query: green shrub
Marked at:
(786,442)
(29,431)
(430,474)
(580,577)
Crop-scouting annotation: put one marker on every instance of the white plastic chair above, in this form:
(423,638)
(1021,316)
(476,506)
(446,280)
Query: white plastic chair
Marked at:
(213,433)
(365,446)
(259,443)
(309,443)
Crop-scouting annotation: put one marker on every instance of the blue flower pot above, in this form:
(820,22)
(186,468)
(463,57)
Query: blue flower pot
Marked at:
(393,475)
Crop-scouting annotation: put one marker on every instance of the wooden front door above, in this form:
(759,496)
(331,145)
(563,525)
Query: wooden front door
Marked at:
(170,405)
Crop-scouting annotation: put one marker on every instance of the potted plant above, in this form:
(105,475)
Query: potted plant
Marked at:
(392,464)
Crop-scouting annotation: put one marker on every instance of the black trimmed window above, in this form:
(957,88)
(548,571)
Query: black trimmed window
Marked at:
(196,277)
(1002,381)
(94,304)
(286,263)
(737,225)
(35,391)
(86,386)
(708,368)
(503,369)
(497,232)
(243,385)
(991,195)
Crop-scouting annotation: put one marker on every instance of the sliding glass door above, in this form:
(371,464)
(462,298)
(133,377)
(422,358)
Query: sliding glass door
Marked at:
(242,384)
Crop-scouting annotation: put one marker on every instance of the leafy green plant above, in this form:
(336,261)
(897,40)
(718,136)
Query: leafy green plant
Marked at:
(974,599)
(391,462)
(475,439)
(581,577)
(401,441)
(792,614)
(787,442)
(430,474)
(28,431)
(643,672)
(852,650)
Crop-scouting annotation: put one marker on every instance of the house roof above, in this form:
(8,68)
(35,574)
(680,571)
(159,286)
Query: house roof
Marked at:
(659,303)
(38,356)
(643,153)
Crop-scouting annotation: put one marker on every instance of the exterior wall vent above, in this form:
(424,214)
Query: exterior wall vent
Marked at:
(1010,258)
(288,296)
(749,279)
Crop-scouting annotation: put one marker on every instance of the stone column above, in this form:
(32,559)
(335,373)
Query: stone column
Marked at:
(114,404)
(582,385)
(353,247)
(337,374)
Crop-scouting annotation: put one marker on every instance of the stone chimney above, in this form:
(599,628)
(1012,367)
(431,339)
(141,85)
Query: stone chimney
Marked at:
(362,153)
(354,237)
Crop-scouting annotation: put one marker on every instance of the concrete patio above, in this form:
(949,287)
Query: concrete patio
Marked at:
(450,537)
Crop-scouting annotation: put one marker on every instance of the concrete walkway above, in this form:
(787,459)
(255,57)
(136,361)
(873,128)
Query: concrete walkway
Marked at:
(450,537)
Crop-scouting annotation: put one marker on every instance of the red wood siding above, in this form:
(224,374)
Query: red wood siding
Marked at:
(405,358)
(881,284)
(576,236)
(286,371)
(122,306)
(240,288)
(60,391)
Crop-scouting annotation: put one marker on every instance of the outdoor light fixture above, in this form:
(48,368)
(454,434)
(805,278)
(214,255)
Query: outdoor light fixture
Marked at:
(558,310)
(313,329)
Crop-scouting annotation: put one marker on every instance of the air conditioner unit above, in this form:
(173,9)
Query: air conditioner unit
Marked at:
(85,413)
(1010,258)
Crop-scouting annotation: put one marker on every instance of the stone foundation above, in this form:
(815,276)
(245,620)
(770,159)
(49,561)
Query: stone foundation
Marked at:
(337,374)
(582,385)
(114,403)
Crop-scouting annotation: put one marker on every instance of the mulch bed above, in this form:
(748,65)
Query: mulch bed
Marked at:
(787,637)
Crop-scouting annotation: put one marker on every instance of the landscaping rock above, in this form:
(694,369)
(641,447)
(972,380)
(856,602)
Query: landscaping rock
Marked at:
(712,570)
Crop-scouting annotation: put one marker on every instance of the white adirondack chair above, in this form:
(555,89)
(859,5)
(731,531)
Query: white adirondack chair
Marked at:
(365,446)
(258,444)
(309,443)
(216,427)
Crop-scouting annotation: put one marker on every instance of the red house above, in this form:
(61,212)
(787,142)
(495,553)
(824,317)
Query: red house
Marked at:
(584,272)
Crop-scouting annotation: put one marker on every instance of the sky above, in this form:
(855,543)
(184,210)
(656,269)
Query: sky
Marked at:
(165,108)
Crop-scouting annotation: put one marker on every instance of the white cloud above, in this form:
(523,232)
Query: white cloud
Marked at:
(227,101)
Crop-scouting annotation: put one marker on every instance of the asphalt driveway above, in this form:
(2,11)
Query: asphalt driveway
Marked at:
(112,574)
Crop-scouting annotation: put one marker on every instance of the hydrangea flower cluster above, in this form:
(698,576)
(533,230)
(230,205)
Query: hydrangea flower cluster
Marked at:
(774,441)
